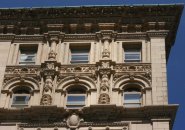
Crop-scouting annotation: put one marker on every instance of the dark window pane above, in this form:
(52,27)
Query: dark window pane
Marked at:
(79,56)
(132,55)
(18,100)
(75,100)
(132,98)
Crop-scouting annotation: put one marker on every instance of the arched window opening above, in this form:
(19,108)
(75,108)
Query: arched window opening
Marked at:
(76,97)
(132,97)
(21,97)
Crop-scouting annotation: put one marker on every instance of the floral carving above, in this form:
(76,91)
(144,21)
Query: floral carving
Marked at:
(50,65)
(46,100)
(132,67)
(78,69)
(105,64)
(48,72)
(104,89)
(104,99)
(46,97)
(104,86)
(132,70)
(106,54)
(52,55)
(22,72)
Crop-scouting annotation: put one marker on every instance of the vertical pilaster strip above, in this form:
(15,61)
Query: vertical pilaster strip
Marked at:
(53,45)
(120,52)
(114,45)
(10,57)
(60,52)
(91,56)
(143,51)
(44,52)
(99,48)
(3,99)
(111,48)
(148,97)
(8,101)
(39,53)
(149,52)
(66,55)
(16,54)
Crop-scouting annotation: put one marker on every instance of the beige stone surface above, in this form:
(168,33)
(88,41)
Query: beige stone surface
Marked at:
(110,33)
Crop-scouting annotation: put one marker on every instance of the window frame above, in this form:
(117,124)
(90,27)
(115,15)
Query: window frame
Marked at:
(135,104)
(131,50)
(75,106)
(30,52)
(20,105)
(85,51)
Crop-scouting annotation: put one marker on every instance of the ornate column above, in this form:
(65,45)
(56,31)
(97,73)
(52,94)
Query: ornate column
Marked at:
(105,67)
(49,72)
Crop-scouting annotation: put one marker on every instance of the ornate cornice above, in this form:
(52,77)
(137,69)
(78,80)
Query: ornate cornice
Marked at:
(103,35)
(79,37)
(157,33)
(89,20)
(28,38)
(106,35)
(140,35)
(90,115)
(90,11)
(7,37)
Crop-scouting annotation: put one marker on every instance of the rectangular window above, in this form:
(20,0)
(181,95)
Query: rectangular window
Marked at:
(27,55)
(20,100)
(79,55)
(132,99)
(75,100)
(132,53)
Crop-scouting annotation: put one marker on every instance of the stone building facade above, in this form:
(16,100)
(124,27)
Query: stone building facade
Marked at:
(86,68)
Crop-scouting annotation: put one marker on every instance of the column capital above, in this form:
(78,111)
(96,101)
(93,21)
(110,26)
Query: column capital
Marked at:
(54,36)
(106,35)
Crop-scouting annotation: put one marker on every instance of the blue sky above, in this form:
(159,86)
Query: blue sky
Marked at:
(176,62)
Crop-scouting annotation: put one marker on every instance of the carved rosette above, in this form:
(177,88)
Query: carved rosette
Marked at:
(73,121)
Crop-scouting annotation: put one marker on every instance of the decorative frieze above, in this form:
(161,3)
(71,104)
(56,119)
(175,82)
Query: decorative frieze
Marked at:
(83,68)
(132,67)
(32,71)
